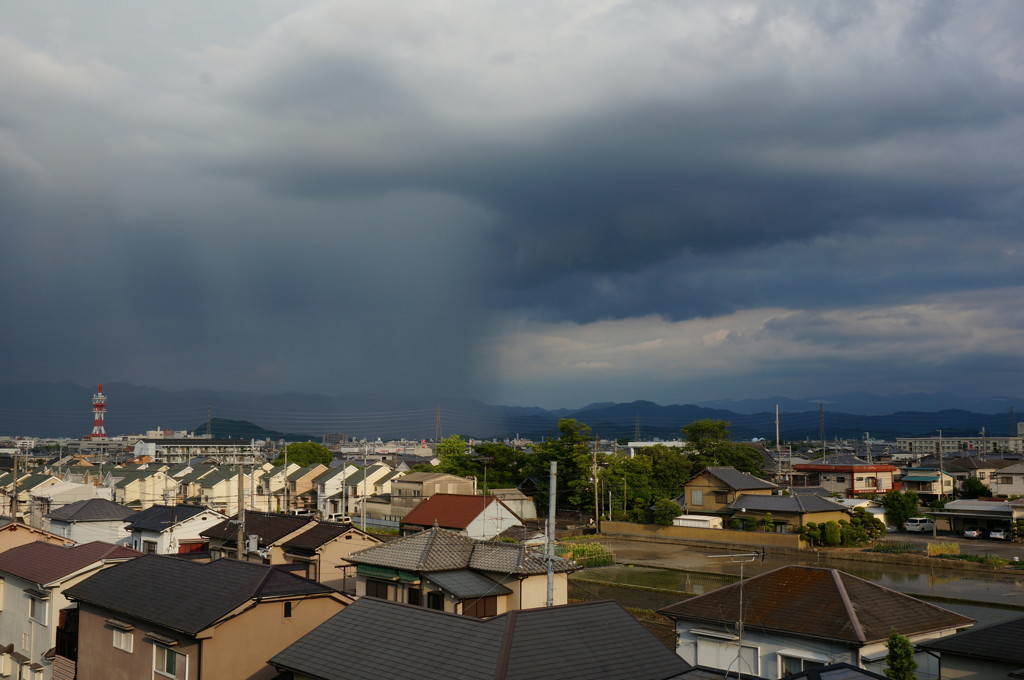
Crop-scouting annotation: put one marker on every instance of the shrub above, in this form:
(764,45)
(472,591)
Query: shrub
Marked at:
(894,547)
(833,533)
(935,549)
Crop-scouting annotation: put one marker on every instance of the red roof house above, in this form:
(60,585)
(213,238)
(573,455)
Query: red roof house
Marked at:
(479,517)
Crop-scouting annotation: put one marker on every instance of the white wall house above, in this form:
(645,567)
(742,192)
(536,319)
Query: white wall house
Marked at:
(172,529)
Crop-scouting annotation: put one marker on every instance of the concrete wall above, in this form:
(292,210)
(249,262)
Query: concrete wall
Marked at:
(696,534)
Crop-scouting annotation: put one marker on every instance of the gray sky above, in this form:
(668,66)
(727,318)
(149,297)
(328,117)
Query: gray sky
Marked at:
(543,203)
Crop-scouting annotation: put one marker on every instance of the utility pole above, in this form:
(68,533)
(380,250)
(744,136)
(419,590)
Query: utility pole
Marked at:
(741,559)
(552,485)
(821,428)
(593,467)
(240,537)
(437,425)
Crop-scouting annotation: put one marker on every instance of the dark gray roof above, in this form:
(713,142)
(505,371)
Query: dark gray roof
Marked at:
(799,503)
(592,641)
(465,583)
(837,671)
(160,517)
(998,642)
(183,595)
(316,536)
(269,527)
(91,510)
(444,550)
(739,480)
(809,491)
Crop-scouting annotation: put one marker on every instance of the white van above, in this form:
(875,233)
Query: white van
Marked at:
(920,524)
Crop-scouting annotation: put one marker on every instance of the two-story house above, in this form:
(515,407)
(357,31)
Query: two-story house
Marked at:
(330,489)
(711,491)
(170,529)
(448,571)
(794,618)
(264,534)
(33,581)
(163,617)
(95,519)
(479,517)
(846,475)
(408,490)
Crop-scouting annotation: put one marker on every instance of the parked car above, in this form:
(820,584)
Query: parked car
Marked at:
(974,532)
(999,535)
(920,524)
(338,517)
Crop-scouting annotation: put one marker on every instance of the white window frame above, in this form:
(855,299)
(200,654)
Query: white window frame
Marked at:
(124,640)
(168,653)
(35,606)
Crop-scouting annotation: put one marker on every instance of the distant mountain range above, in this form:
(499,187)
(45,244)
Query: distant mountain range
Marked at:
(64,409)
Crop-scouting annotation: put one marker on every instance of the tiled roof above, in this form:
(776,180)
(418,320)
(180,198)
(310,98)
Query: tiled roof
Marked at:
(316,536)
(836,671)
(44,563)
(443,550)
(998,642)
(269,527)
(818,603)
(91,510)
(160,517)
(592,641)
(798,503)
(183,595)
(465,583)
(449,511)
(739,480)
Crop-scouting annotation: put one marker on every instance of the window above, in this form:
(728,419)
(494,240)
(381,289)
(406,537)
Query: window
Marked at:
(377,589)
(840,479)
(123,640)
(435,600)
(727,655)
(416,597)
(149,547)
(37,610)
(481,607)
(696,497)
(166,661)
(794,664)
(287,610)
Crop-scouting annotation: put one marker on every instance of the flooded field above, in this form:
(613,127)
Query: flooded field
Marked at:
(651,576)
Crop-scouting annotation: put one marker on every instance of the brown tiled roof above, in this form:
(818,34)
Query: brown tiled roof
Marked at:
(819,603)
(449,510)
(45,563)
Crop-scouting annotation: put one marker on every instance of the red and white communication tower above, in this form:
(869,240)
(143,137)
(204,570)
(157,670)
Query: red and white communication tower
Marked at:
(99,410)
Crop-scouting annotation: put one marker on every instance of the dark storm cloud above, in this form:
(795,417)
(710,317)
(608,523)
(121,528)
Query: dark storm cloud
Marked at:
(338,196)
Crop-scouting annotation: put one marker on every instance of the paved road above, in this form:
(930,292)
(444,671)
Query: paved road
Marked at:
(973,546)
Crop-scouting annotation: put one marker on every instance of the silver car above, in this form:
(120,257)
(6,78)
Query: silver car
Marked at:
(999,535)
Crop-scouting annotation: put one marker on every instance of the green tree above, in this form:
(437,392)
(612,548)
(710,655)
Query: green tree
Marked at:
(573,454)
(899,506)
(973,487)
(665,511)
(833,534)
(899,662)
(305,453)
(710,446)
(454,456)
(504,464)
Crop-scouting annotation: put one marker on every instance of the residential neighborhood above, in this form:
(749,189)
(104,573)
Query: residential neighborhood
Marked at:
(181,567)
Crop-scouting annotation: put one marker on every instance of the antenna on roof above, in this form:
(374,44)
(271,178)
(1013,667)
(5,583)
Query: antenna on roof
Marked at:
(741,559)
